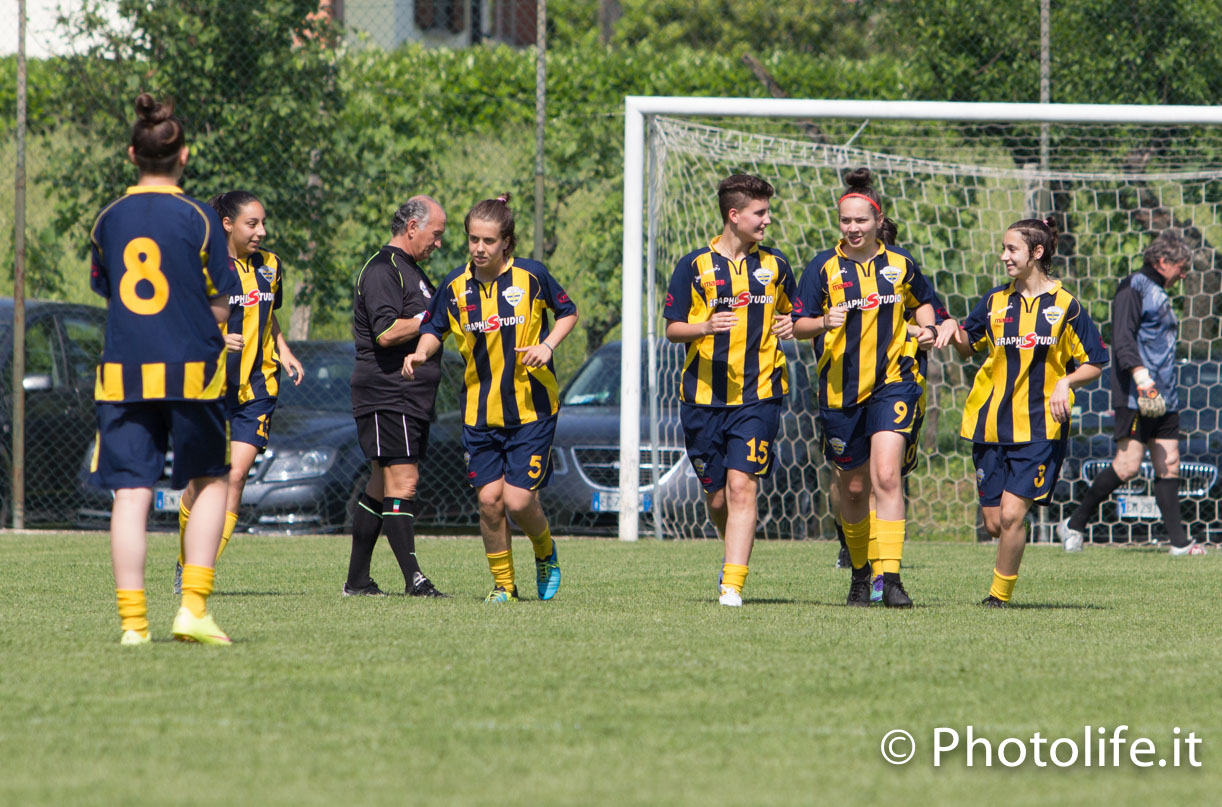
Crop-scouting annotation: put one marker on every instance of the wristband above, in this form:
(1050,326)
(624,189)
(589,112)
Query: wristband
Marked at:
(549,347)
(1142,377)
(933,329)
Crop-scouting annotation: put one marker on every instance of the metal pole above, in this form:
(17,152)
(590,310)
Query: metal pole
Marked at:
(1045,74)
(540,117)
(630,334)
(651,318)
(18,491)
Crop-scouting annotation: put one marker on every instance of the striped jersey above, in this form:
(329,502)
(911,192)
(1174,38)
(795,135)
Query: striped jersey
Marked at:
(745,364)
(159,256)
(1032,343)
(872,348)
(254,372)
(489,320)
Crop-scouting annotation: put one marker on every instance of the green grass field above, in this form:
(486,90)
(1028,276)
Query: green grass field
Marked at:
(632,688)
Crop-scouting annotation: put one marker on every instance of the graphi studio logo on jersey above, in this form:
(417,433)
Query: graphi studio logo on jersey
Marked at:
(874,300)
(1028,341)
(743,299)
(251,298)
(494,323)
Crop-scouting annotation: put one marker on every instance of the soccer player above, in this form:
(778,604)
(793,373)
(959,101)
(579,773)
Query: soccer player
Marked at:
(1144,395)
(496,308)
(730,303)
(1041,346)
(853,299)
(160,260)
(392,413)
(257,350)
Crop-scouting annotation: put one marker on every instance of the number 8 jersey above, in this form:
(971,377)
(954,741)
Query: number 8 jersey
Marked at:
(159,256)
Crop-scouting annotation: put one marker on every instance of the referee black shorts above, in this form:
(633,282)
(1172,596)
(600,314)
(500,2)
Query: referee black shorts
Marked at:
(1131,424)
(392,438)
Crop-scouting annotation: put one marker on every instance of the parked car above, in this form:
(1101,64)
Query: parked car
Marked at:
(584,493)
(313,470)
(62,345)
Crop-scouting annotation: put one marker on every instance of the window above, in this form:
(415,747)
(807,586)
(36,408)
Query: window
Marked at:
(441,15)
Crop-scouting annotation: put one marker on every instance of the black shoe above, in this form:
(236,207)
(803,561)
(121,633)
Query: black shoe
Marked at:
(894,595)
(859,587)
(843,560)
(423,587)
(992,602)
(370,589)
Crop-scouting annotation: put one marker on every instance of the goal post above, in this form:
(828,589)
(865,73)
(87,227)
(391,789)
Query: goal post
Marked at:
(642,114)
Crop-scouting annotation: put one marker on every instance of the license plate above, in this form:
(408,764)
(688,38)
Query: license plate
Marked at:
(607,501)
(1133,506)
(166,501)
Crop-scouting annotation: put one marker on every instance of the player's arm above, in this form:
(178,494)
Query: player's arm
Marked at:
(287,360)
(684,332)
(220,308)
(1058,403)
(425,349)
(401,331)
(975,327)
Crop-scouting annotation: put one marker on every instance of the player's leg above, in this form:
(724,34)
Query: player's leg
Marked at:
(399,479)
(887,450)
(1165,454)
(749,438)
(241,460)
(528,469)
(854,490)
(128,549)
(366,527)
(1125,464)
(1010,546)
(486,466)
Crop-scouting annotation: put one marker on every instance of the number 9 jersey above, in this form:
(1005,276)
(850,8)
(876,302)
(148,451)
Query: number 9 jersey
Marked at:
(159,256)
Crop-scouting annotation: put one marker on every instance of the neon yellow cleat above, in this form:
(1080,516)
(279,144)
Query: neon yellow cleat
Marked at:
(203,629)
(499,594)
(131,638)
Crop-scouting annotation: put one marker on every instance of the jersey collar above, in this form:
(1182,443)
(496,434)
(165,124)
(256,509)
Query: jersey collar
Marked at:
(153,189)
(751,250)
(471,270)
(840,250)
(1013,288)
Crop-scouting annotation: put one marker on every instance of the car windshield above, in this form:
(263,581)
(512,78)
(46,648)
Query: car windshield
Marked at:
(597,382)
(325,387)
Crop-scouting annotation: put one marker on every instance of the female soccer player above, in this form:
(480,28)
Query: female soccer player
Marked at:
(256,351)
(496,308)
(1042,345)
(853,299)
(161,376)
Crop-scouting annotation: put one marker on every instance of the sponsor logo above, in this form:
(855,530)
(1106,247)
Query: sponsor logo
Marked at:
(268,273)
(837,445)
(1053,314)
(427,316)
(252,297)
(979,478)
(467,307)
(844,460)
(706,480)
(428,295)
(708,284)
(764,275)
(1028,341)
(562,297)
(670,300)
(494,323)
(845,285)
(513,295)
(891,273)
(797,306)
(461,294)
(874,300)
(743,299)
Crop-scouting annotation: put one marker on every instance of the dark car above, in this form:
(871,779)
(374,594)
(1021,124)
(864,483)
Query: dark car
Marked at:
(584,493)
(1131,514)
(62,344)
(313,470)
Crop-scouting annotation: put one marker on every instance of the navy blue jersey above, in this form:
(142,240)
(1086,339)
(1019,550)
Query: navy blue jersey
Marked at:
(159,256)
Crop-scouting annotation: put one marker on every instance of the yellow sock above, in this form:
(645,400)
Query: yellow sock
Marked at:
(542,544)
(857,539)
(876,565)
(890,545)
(196,586)
(734,576)
(133,610)
(183,514)
(1003,585)
(231,521)
(501,564)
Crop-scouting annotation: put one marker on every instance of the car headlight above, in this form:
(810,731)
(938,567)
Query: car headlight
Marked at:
(299,464)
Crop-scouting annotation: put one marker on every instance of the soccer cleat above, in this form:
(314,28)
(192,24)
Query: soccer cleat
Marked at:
(370,589)
(547,575)
(876,589)
(859,587)
(133,638)
(202,629)
(894,595)
(992,602)
(1070,538)
(1190,549)
(178,578)
(844,560)
(501,594)
(730,597)
(423,587)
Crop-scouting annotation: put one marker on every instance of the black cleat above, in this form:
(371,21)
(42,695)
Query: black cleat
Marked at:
(423,587)
(843,560)
(992,602)
(894,595)
(370,589)
(859,587)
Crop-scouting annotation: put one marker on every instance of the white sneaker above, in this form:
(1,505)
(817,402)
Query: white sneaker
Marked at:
(730,597)
(132,638)
(1191,549)
(1071,538)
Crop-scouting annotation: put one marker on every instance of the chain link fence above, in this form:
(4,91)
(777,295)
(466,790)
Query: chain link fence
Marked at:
(335,111)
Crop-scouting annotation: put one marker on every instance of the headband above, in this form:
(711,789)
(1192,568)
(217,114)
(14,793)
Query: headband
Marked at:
(862,196)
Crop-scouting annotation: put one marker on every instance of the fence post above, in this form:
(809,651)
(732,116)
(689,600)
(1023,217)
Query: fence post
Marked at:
(540,118)
(18,470)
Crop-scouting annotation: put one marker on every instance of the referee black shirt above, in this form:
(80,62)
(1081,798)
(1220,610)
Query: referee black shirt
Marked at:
(390,287)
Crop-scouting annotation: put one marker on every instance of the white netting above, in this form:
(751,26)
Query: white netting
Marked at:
(953,189)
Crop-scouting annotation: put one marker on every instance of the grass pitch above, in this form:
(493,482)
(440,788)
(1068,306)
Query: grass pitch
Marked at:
(632,688)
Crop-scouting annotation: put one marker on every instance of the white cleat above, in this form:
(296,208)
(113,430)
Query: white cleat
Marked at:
(1070,538)
(1191,549)
(133,638)
(730,597)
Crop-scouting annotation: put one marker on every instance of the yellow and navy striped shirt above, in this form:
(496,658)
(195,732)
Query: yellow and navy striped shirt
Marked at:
(254,372)
(872,348)
(488,321)
(1032,343)
(159,256)
(745,364)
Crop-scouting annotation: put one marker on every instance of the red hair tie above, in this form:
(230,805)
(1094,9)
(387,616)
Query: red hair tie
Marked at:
(861,196)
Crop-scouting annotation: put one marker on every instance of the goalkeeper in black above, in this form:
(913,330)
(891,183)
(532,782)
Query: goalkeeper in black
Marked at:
(1145,330)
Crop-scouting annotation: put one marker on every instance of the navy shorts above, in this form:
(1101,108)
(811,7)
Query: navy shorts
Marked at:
(392,438)
(251,422)
(1029,470)
(520,454)
(738,437)
(910,453)
(132,440)
(847,431)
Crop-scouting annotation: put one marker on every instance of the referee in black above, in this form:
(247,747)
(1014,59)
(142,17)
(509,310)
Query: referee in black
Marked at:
(392,412)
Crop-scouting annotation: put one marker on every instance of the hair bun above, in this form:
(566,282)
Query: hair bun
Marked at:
(859,178)
(504,197)
(150,111)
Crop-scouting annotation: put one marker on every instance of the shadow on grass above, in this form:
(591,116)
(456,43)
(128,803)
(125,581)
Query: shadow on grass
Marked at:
(1052,606)
(258,594)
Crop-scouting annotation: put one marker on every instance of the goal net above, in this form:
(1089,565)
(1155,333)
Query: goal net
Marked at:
(953,188)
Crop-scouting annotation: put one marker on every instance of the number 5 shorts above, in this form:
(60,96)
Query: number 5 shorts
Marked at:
(520,454)
(847,431)
(722,437)
(1029,470)
(132,439)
